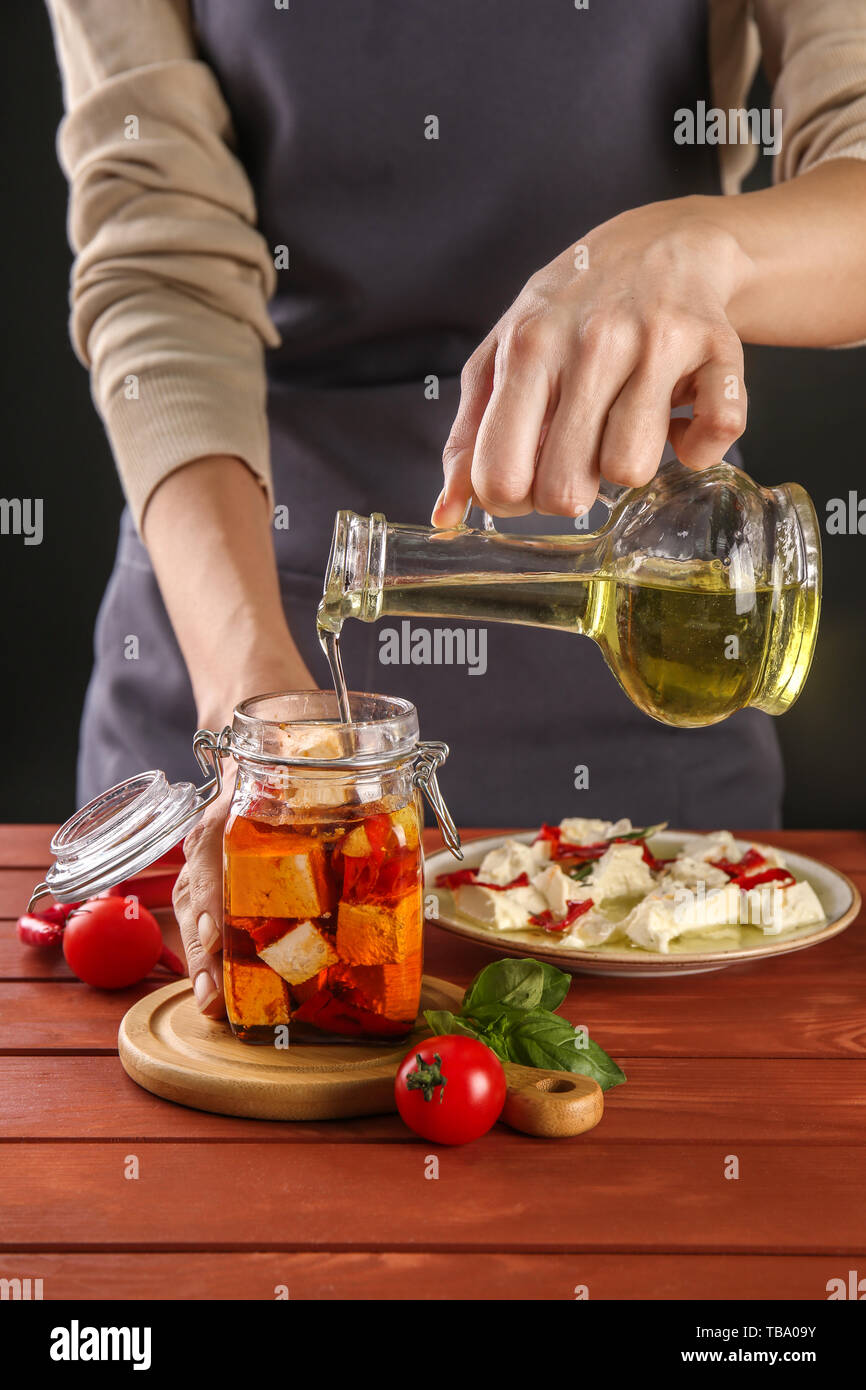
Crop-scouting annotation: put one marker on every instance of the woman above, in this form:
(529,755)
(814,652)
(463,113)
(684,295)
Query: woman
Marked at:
(390,178)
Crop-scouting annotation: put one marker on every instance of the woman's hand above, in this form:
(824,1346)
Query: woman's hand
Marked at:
(198,893)
(198,901)
(578,378)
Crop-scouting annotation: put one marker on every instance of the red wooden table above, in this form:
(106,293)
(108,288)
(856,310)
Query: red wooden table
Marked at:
(765,1063)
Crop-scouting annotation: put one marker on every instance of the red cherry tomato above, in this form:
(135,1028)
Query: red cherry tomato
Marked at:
(455,1093)
(106,947)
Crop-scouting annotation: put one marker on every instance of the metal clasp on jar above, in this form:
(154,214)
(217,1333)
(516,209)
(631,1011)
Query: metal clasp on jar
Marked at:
(429,757)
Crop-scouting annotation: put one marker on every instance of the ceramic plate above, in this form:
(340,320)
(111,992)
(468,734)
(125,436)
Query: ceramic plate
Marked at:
(838,896)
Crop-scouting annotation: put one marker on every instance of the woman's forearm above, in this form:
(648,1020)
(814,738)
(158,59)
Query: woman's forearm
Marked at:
(208,530)
(805,241)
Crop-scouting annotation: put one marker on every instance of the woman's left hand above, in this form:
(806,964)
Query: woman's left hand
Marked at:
(578,378)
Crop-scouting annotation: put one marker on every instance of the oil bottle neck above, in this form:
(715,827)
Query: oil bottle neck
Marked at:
(376,568)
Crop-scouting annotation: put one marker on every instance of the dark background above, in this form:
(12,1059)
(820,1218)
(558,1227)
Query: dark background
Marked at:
(807,417)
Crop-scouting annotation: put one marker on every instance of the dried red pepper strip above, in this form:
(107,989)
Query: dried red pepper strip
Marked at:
(767,876)
(460,877)
(378,828)
(734,868)
(324,1010)
(566,851)
(56,913)
(35,931)
(171,962)
(549,922)
(151,890)
(649,858)
(268,929)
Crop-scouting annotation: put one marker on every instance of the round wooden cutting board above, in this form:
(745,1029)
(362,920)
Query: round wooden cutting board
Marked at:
(171,1049)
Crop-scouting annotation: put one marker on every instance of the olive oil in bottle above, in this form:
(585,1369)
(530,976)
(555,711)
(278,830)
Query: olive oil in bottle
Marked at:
(686,648)
(702,591)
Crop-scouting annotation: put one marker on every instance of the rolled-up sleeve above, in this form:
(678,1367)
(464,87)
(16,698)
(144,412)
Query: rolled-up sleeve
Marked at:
(814,53)
(171,277)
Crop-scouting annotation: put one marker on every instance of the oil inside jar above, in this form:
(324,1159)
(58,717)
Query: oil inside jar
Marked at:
(323,922)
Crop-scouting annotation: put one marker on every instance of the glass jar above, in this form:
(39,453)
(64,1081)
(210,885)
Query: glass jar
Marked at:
(323,869)
(323,860)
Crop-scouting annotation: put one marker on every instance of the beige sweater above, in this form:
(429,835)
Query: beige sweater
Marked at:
(171,278)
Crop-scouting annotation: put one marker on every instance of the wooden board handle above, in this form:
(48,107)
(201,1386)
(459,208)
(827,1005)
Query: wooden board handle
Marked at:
(550,1104)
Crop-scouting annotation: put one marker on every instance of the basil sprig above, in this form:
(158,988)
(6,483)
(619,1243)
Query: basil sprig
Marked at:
(511,1006)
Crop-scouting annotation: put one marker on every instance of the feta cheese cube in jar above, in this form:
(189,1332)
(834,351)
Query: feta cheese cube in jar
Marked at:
(324,870)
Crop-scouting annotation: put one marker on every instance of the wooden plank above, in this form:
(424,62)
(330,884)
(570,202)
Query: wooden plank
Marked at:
(672,1100)
(64,1015)
(20,962)
(525,1196)
(360,1276)
(16,885)
(25,846)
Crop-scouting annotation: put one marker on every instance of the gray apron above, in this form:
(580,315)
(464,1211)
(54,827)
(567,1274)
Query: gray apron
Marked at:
(403,251)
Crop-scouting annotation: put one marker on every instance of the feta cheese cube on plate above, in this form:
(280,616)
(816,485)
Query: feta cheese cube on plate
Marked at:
(719,845)
(795,906)
(619,873)
(504,911)
(558,890)
(581,830)
(508,861)
(695,871)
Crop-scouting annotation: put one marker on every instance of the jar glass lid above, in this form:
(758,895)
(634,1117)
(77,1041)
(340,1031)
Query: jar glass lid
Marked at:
(126,828)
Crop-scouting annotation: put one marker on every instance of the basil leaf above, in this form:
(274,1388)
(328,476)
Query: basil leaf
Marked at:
(496,1018)
(599,1065)
(443,1022)
(545,1040)
(557,983)
(542,1039)
(583,871)
(517,984)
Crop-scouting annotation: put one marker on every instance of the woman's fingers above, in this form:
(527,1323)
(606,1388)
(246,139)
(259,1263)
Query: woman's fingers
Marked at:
(198,908)
(566,480)
(718,395)
(636,430)
(506,446)
(578,378)
(476,383)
